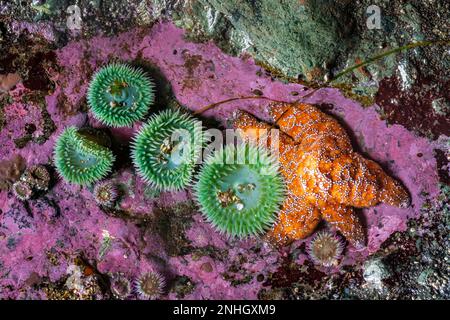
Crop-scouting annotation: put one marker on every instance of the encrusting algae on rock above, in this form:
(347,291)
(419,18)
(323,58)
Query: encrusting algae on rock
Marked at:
(40,236)
(324,176)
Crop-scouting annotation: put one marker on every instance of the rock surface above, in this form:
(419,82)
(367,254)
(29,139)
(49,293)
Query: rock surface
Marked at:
(61,245)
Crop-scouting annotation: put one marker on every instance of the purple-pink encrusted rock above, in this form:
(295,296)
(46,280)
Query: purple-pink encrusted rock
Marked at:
(144,228)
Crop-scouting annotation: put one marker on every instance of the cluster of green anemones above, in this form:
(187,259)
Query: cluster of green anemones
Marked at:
(167,148)
(240,190)
(80,158)
(120,95)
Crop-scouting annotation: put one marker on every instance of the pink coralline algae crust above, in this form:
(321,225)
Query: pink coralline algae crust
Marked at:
(66,222)
(43,29)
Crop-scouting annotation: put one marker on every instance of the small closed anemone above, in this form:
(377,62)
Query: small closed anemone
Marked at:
(325,249)
(22,190)
(166,150)
(81,156)
(240,190)
(105,193)
(120,287)
(120,95)
(150,285)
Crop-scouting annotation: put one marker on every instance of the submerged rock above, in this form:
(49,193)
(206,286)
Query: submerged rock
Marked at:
(145,230)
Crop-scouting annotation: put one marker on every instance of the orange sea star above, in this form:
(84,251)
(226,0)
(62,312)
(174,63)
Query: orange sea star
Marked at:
(325,178)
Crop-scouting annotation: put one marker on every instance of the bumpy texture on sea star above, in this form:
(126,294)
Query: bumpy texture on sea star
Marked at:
(325,178)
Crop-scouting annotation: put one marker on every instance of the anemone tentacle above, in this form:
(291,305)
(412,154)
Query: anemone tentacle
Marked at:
(79,160)
(166,150)
(240,190)
(120,95)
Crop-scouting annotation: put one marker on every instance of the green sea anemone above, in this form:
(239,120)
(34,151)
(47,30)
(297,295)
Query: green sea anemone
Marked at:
(81,157)
(120,95)
(166,149)
(239,190)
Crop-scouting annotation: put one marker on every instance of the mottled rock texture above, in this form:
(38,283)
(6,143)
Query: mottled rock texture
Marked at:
(61,244)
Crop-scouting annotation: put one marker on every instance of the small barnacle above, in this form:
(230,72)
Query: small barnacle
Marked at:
(80,157)
(120,95)
(22,190)
(166,149)
(150,285)
(37,177)
(248,193)
(105,193)
(325,249)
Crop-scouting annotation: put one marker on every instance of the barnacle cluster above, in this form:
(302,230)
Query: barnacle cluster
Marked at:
(120,95)
(81,157)
(166,149)
(34,179)
(37,177)
(10,171)
(239,190)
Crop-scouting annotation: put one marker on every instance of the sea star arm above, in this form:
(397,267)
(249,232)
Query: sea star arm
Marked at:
(345,221)
(391,191)
(306,122)
(297,220)
(252,129)
(359,182)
